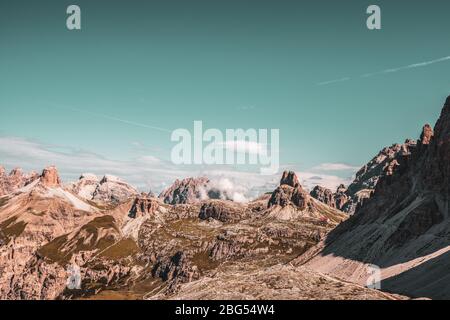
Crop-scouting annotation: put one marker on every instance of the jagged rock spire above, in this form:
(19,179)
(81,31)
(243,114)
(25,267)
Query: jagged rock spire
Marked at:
(50,177)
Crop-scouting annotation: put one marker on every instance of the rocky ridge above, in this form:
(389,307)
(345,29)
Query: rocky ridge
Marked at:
(403,228)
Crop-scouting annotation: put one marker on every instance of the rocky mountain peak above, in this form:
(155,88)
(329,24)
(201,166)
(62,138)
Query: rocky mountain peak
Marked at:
(16,179)
(189,190)
(289,192)
(16,172)
(289,178)
(109,188)
(426,135)
(50,177)
(2,171)
(413,201)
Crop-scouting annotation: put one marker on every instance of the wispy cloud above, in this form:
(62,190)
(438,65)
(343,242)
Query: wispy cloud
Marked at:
(334,167)
(387,71)
(333,81)
(147,172)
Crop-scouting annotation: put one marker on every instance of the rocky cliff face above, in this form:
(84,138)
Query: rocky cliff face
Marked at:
(404,227)
(324,195)
(348,199)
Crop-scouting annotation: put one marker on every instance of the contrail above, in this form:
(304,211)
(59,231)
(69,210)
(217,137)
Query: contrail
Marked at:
(333,81)
(104,116)
(411,66)
(391,70)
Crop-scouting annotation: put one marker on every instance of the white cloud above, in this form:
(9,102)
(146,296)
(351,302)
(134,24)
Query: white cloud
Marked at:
(310,180)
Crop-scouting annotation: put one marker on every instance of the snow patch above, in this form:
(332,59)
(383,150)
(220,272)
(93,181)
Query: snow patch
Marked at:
(77,203)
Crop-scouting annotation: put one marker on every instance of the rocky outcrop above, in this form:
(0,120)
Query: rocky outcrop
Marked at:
(189,190)
(176,269)
(404,227)
(143,205)
(290,203)
(224,211)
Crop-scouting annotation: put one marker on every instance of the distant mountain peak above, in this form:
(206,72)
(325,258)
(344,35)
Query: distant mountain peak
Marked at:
(50,177)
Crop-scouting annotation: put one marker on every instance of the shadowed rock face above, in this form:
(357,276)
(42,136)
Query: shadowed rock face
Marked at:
(404,227)
(324,195)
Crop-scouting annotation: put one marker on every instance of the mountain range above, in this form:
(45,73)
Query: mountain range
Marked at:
(196,241)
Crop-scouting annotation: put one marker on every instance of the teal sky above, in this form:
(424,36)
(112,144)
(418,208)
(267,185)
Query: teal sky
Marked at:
(231,64)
